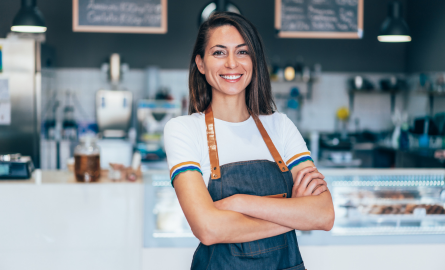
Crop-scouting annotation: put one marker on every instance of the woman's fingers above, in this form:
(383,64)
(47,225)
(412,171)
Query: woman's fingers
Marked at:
(313,185)
(308,178)
(308,181)
(320,190)
(301,174)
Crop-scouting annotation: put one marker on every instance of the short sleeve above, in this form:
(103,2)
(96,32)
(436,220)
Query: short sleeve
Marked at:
(295,149)
(181,147)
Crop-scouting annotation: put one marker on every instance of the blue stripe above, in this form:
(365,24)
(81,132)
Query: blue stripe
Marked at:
(298,161)
(183,169)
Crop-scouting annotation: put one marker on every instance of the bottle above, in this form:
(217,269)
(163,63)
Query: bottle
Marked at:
(87,160)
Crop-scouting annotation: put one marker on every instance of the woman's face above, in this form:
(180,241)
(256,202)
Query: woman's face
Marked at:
(226,65)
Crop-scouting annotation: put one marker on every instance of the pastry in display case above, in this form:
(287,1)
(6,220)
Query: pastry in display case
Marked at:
(388,202)
(165,224)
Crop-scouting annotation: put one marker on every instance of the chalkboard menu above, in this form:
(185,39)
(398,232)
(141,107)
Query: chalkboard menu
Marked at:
(319,18)
(120,16)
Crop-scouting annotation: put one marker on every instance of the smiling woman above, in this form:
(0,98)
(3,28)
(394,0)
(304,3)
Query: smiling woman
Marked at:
(243,196)
(234,44)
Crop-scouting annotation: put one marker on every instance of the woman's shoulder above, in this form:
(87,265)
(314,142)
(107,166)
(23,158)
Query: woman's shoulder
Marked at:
(276,118)
(185,123)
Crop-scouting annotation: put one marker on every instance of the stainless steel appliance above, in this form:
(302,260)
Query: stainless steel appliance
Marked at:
(113,111)
(114,106)
(22,82)
(15,167)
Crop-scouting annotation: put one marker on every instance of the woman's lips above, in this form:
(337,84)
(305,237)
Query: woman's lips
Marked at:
(231,78)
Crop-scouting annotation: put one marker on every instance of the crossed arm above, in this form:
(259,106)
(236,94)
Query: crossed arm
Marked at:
(245,218)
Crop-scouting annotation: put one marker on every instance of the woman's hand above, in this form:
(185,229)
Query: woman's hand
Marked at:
(308,182)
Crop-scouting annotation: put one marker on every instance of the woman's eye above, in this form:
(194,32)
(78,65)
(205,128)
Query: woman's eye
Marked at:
(218,53)
(243,52)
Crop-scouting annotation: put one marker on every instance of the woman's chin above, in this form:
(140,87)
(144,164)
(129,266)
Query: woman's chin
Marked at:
(231,92)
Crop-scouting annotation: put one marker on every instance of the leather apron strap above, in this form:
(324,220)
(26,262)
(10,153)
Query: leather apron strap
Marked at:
(273,151)
(211,142)
(213,149)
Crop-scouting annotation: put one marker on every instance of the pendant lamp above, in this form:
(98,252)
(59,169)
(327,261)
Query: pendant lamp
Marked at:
(219,5)
(394,28)
(29,19)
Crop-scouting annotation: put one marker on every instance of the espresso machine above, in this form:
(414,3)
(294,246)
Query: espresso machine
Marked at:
(113,113)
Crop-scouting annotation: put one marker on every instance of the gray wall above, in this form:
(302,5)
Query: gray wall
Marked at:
(426,51)
(172,50)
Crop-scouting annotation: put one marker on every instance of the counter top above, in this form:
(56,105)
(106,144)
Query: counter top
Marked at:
(67,177)
(61,177)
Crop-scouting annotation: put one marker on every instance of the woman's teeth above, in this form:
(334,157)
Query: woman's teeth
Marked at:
(230,77)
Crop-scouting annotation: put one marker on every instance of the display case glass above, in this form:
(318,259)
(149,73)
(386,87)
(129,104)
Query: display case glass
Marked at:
(372,206)
(388,202)
(164,222)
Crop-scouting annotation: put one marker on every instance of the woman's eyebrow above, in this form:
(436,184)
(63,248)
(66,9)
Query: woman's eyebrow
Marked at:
(224,47)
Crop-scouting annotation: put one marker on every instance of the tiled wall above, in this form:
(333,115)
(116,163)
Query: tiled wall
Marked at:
(318,113)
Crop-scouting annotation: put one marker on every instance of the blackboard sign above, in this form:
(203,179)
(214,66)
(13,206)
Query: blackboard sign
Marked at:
(319,18)
(120,16)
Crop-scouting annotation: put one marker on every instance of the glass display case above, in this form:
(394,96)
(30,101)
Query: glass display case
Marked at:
(372,206)
(388,201)
(164,222)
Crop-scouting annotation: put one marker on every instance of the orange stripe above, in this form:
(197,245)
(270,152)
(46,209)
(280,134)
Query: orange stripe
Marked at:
(182,164)
(297,156)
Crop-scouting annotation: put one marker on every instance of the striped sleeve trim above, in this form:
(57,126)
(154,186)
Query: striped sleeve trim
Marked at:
(184,166)
(297,159)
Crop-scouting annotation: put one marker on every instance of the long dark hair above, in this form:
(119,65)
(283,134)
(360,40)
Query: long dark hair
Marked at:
(258,93)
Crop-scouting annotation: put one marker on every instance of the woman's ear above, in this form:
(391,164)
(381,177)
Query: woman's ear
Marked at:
(200,64)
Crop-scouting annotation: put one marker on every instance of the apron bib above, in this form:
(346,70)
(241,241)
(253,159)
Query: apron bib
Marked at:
(255,177)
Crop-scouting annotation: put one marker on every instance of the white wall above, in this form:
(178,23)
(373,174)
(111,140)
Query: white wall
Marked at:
(318,113)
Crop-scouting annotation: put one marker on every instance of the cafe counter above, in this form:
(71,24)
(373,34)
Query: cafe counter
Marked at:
(53,222)
(385,219)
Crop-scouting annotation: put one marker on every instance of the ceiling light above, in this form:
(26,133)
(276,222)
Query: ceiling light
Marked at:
(29,19)
(394,28)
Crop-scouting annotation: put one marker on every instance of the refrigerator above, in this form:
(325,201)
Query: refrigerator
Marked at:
(20,96)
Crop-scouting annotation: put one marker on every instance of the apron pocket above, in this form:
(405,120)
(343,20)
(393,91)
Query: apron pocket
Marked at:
(259,247)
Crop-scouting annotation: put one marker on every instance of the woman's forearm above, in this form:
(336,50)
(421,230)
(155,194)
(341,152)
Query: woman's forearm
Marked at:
(211,225)
(303,213)
(232,227)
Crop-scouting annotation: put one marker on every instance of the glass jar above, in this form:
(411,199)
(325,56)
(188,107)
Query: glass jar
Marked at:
(87,160)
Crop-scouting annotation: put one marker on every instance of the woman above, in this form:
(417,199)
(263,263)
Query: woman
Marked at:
(242,201)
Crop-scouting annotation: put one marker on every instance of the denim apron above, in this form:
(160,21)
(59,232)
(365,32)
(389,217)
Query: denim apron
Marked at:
(255,177)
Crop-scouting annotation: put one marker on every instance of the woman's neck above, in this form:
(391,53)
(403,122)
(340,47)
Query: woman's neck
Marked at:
(229,108)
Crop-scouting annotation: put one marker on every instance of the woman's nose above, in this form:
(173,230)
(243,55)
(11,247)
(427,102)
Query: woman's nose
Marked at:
(231,61)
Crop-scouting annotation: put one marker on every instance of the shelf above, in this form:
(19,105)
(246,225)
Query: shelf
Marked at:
(392,93)
(374,91)
(431,93)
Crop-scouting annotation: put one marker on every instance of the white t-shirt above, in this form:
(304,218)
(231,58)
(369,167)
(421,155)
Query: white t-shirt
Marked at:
(185,142)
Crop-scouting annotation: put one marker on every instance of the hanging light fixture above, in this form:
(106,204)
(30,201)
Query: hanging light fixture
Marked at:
(394,28)
(219,5)
(29,19)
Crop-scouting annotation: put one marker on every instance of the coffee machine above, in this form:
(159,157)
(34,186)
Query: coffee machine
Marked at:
(113,113)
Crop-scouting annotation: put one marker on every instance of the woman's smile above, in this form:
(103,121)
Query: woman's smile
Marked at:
(231,78)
